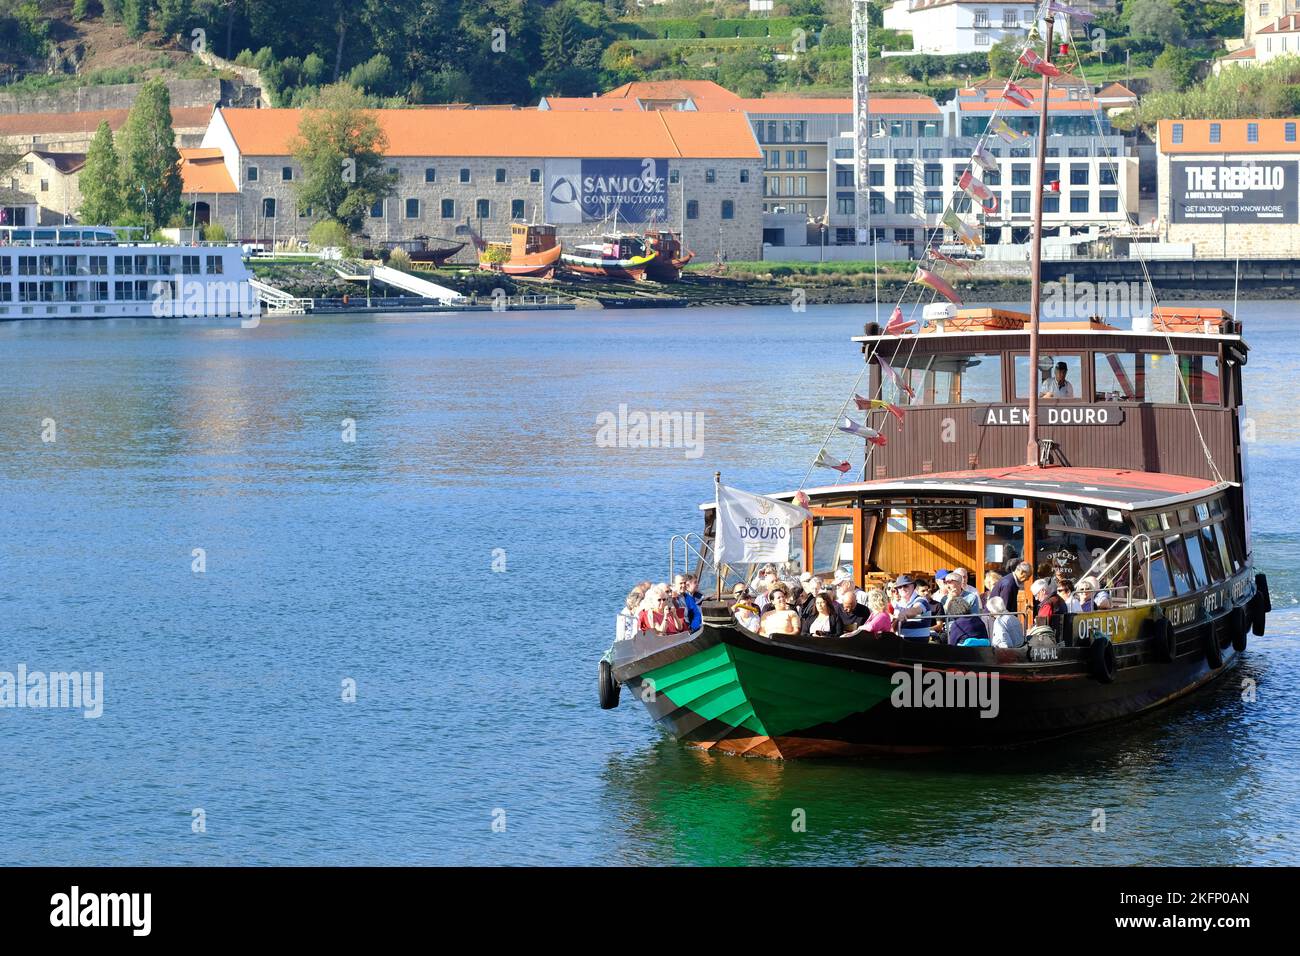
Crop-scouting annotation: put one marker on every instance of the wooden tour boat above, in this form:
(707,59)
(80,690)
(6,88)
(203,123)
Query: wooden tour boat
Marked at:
(614,256)
(669,258)
(533,251)
(1082,449)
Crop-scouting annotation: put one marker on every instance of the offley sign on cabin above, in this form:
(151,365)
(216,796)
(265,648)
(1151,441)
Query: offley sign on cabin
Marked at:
(1050,414)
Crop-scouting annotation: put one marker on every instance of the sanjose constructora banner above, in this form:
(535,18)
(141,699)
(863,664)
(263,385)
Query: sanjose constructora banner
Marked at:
(1235,192)
(589,190)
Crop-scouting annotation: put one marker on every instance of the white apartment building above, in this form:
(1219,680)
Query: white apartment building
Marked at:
(958,26)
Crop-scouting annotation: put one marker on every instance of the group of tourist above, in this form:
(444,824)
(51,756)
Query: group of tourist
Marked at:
(662,608)
(945,609)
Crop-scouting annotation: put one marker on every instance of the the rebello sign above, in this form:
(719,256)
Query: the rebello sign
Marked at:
(1235,192)
(589,190)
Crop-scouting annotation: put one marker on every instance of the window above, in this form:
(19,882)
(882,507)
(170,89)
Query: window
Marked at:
(744,175)
(516,209)
(1252,132)
(1199,374)
(1047,374)
(251,174)
(1179,566)
(947,379)
(844,237)
(1020,174)
(844,204)
(933,176)
(904,204)
(215,266)
(1290,132)
(1079,203)
(482,209)
(1214,564)
(981,18)
(934,203)
(412,208)
(803,157)
(1216,132)
(902,175)
(674,175)
(268,208)
(430,174)
(1110,202)
(1115,375)
(1078,175)
(692,209)
(710,175)
(1020,203)
(500,175)
(1178,134)
(1051,204)
(377,210)
(1196,560)
(190,265)
(773,184)
(1010,18)
(843,177)
(45,185)
(448,210)
(534,175)
(801,186)
(464,175)
(286,174)
(728,209)
(875,176)
(789,159)
(982,39)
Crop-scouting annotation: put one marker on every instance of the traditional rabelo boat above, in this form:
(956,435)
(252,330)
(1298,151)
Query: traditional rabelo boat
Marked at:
(1133,476)
(670,257)
(533,251)
(615,256)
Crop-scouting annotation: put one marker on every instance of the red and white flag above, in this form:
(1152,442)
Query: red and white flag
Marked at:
(963,264)
(931,281)
(897,324)
(977,190)
(1018,95)
(897,379)
(826,461)
(1031,59)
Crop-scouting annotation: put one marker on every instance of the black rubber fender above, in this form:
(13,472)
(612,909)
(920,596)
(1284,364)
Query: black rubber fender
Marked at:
(1260,605)
(1161,632)
(1213,652)
(608,687)
(1240,628)
(1101,659)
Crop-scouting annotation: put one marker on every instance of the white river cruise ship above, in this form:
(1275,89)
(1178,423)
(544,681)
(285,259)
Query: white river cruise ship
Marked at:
(88,272)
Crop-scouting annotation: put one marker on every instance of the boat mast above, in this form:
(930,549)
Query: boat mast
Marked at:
(1036,266)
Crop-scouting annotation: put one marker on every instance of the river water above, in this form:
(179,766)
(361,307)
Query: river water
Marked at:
(459,563)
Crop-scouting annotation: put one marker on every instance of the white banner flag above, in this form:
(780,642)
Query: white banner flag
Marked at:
(752,528)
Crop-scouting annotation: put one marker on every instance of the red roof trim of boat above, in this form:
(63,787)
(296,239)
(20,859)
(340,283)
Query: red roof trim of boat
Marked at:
(1056,474)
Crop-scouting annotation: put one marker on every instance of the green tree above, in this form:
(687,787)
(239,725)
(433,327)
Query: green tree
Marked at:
(175,16)
(341,149)
(1175,69)
(151,172)
(101,180)
(1003,56)
(1158,20)
(135,15)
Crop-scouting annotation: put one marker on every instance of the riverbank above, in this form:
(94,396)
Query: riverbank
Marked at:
(785,284)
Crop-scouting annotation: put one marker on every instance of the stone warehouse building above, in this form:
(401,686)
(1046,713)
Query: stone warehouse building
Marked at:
(701,174)
(1230,187)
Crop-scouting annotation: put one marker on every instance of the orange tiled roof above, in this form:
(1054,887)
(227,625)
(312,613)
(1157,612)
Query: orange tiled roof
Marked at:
(664,134)
(87,121)
(1114,90)
(1287,24)
(670,90)
(1232,138)
(594,104)
(204,171)
(1245,53)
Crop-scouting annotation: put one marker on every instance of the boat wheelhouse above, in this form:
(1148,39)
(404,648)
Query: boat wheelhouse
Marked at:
(86,272)
(533,251)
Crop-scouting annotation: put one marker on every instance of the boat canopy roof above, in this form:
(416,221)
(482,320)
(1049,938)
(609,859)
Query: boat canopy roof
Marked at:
(1103,487)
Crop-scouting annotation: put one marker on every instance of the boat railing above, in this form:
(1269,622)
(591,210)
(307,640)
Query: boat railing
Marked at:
(691,544)
(1127,555)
